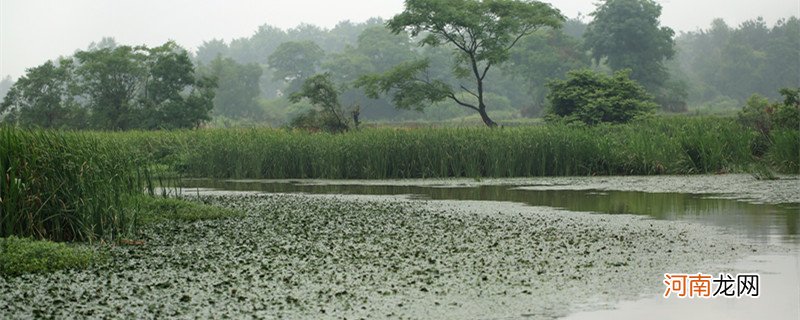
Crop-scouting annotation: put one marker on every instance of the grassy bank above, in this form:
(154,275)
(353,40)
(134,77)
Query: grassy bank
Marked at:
(674,145)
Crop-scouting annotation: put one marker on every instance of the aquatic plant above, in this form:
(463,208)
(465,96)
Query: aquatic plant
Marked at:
(66,186)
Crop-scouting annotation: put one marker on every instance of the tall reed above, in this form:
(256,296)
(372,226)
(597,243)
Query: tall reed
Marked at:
(65,186)
(677,145)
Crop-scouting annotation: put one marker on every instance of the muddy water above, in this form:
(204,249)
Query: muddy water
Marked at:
(764,223)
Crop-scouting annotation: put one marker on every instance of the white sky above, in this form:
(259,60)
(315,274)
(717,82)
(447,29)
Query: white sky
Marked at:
(34,31)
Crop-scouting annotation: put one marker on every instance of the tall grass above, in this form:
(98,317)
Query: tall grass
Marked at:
(66,186)
(785,150)
(676,145)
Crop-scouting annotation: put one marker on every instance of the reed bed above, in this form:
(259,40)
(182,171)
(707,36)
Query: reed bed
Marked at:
(87,185)
(66,186)
(657,146)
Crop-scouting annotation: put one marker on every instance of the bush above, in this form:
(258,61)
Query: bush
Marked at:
(773,122)
(155,210)
(22,255)
(593,98)
(328,114)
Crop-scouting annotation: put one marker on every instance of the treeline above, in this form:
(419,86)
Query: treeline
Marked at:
(248,81)
(721,65)
(728,64)
(112,87)
(277,62)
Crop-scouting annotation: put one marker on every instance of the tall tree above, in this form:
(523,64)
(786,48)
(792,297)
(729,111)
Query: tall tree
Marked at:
(5,85)
(628,35)
(210,50)
(238,87)
(481,34)
(293,62)
(111,78)
(544,56)
(120,87)
(45,97)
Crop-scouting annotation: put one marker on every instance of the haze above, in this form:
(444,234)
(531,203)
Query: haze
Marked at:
(34,31)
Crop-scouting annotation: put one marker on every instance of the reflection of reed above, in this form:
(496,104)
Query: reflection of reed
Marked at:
(757,220)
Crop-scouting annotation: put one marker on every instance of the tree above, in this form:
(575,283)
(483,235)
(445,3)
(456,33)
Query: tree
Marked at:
(110,78)
(544,56)
(45,97)
(5,86)
(238,87)
(323,94)
(174,97)
(481,34)
(118,87)
(626,33)
(210,50)
(293,62)
(592,98)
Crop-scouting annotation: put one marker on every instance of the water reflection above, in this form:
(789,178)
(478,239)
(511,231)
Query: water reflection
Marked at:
(762,222)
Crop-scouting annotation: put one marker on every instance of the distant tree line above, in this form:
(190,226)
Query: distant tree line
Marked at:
(112,87)
(252,78)
(724,62)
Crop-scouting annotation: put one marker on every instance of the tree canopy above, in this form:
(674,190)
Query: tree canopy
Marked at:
(481,34)
(628,35)
(591,97)
(116,87)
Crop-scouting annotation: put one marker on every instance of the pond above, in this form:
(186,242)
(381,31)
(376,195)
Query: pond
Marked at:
(748,218)
(529,248)
(758,221)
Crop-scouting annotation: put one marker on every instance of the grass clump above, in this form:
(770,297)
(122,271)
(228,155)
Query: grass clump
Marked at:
(66,186)
(20,256)
(154,210)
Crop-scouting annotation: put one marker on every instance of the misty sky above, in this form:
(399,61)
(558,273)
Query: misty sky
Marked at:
(34,31)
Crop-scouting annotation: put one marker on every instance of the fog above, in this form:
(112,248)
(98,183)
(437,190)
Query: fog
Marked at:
(33,31)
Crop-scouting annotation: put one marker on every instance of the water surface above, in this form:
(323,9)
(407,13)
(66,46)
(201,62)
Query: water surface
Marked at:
(765,223)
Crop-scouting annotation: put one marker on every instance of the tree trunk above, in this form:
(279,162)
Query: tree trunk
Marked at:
(485,117)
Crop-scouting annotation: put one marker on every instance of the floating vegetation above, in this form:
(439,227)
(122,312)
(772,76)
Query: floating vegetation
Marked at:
(296,256)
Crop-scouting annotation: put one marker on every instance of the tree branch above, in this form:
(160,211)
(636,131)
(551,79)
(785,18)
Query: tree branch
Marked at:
(453,97)
(486,70)
(468,91)
(528,30)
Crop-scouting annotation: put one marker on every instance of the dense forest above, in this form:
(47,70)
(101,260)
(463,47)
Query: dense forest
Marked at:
(710,70)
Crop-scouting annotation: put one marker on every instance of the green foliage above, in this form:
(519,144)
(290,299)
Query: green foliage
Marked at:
(20,256)
(481,34)
(114,88)
(323,94)
(544,56)
(238,88)
(762,115)
(784,154)
(592,98)
(738,61)
(155,210)
(46,97)
(66,186)
(409,92)
(652,146)
(626,33)
(294,62)
(777,125)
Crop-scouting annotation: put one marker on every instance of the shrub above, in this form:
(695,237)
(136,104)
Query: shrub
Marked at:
(593,98)
(773,121)
(22,255)
(328,114)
